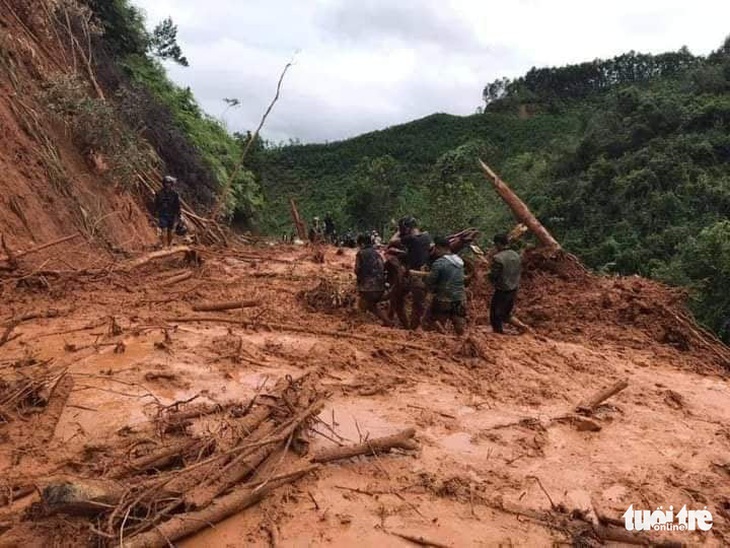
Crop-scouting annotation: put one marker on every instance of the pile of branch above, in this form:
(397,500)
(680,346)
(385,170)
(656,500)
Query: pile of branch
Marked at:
(328,296)
(162,488)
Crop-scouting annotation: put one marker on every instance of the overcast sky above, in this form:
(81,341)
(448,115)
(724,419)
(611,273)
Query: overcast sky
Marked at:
(368,64)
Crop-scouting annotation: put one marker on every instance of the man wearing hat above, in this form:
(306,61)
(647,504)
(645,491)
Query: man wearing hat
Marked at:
(167,207)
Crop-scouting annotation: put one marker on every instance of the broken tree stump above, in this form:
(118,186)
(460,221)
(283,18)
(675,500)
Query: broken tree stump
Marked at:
(402,440)
(80,497)
(519,208)
(230,305)
(591,404)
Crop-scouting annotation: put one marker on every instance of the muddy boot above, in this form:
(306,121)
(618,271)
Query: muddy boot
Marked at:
(383,316)
(459,325)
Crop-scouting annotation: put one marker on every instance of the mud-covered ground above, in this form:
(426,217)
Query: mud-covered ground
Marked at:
(132,344)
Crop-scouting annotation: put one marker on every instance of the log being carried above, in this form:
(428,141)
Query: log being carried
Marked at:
(520,209)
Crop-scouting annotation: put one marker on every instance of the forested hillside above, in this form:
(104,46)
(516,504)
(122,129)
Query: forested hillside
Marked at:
(190,144)
(626,160)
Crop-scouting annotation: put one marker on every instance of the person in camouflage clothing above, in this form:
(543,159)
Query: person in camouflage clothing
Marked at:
(446,282)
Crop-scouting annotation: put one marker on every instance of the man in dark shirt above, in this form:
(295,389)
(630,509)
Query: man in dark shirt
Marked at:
(395,278)
(417,246)
(167,207)
(370,273)
(446,281)
(505,276)
(329,229)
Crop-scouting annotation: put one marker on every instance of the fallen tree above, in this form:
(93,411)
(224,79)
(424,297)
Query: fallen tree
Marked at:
(520,210)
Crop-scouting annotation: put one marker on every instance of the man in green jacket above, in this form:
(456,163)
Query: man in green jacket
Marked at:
(505,276)
(446,282)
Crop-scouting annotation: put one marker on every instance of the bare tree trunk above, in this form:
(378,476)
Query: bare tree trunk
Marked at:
(519,208)
(301,228)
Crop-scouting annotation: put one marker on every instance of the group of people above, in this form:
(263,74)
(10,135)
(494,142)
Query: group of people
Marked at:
(414,265)
(321,231)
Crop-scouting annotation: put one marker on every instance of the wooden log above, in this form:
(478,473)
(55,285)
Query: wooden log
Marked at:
(149,257)
(230,305)
(402,440)
(592,403)
(56,404)
(243,466)
(520,209)
(52,313)
(157,459)
(176,279)
(418,539)
(36,249)
(300,226)
(183,525)
(15,493)
(246,426)
(5,337)
(80,497)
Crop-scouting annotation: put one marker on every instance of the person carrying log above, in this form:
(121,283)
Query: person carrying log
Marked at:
(167,207)
(417,246)
(446,282)
(370,273)
(505,277)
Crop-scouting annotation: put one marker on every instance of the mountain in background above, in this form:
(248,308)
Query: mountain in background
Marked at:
(626,161)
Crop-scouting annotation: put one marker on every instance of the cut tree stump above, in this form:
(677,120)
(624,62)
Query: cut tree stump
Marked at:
(230,305)
(403,440)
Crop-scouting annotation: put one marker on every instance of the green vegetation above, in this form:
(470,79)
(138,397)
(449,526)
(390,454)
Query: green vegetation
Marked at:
(194,147)
(369,180)
(96,128)
(626,161)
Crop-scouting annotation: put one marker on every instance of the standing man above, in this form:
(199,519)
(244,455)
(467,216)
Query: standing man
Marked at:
(417,246)
(370,272)
(505,276)
(329,229)
(167,207)
(395,278)
(446,281)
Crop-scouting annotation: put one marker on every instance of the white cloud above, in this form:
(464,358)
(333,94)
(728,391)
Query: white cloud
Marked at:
(367,64)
